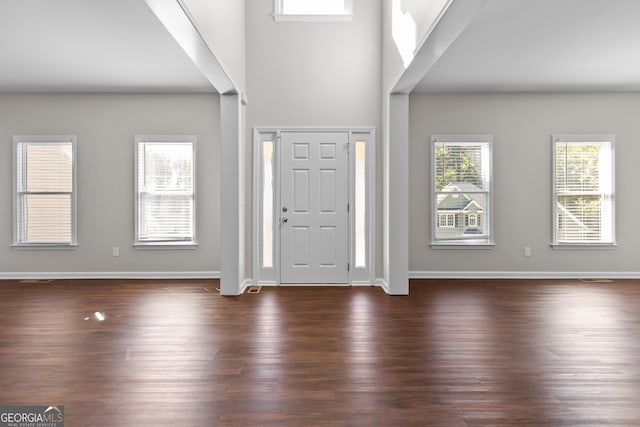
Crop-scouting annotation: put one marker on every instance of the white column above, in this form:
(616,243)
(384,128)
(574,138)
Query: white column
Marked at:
(397,210)
(231,229)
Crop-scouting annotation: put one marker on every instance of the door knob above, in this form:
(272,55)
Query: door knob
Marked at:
(285,219)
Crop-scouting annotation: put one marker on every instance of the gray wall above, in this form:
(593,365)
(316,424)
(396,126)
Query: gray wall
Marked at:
(105,125)
(312,74)
(522,125)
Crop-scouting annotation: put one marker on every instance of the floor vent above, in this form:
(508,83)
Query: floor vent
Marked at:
(596,280)
(254,289)
(33,281)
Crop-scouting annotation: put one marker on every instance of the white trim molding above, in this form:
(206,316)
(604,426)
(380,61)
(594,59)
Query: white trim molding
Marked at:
(246,284)
(524,274)
(59,275)
(381,282)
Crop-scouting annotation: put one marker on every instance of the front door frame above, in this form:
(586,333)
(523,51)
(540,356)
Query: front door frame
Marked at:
(362,266)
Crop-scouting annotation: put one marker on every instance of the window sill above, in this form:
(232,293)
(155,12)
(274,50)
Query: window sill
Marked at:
(312,18)
(472,244)
(564,246)
(166,245)
(43,246)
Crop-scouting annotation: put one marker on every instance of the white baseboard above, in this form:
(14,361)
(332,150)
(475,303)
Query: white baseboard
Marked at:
(524,275)
(246,283)
(363,283)
(111,275)
(383,284)
(267,283)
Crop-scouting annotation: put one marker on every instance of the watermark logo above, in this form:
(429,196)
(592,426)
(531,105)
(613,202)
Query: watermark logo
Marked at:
(32,416)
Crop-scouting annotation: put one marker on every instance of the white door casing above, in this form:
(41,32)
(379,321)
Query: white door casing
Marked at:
(314,204)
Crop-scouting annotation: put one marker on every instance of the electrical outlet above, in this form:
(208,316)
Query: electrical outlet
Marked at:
(527,251)
(115,251)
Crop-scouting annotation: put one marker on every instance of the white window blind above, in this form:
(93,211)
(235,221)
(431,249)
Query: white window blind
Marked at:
(44,191)
(461,189)
(583,186)
(165,190)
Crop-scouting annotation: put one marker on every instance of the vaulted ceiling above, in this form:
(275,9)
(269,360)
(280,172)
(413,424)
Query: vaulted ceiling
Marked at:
(543,45)
(511,45)
(90,45)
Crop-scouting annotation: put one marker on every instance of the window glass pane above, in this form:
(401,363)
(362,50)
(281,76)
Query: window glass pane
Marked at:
(167,166)
(165,192)
(461,164)
(360,208)
(267,204)
(313,7)
(49,167)
(461,215)
(166,217)
(462,186)
(47,218)
(584,188)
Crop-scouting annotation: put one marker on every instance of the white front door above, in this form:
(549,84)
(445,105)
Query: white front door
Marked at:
(314,197)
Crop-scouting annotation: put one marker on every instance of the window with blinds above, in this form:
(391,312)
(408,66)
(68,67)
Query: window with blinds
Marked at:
(44,201)
(584,189)
(461,189)
(165,193)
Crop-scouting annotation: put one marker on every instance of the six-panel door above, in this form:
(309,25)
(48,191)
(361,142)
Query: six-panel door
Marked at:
(314,217)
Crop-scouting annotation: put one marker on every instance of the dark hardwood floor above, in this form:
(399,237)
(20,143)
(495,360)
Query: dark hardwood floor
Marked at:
(453,353)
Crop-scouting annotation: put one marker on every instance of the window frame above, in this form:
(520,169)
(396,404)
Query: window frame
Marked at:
(583,139)
(165,244)
(463,243)
(17,212)
(279,15)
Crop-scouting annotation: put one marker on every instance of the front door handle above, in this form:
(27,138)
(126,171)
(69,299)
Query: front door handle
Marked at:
(285,219)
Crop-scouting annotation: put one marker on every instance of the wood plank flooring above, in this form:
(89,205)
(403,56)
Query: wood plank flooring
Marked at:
(453,353)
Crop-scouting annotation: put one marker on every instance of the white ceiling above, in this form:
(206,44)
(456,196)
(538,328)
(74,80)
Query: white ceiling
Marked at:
(543,45)
(511,45)
(90,46)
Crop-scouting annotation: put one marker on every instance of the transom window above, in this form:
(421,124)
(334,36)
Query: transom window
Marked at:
(165,190)
(313,10)
(461,190)
(45,191)
(583,190)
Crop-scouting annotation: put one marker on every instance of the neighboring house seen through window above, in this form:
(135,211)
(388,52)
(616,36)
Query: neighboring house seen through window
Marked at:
(583,190)
(45,191)
(461,187)
(165,190)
